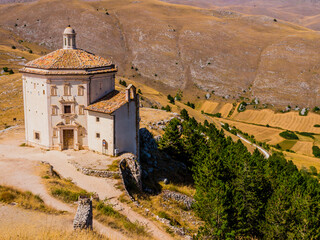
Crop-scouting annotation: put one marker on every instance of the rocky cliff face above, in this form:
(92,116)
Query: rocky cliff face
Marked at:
(184,47)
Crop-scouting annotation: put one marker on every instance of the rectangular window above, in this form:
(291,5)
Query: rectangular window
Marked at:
(97,119)
(67,90)
(34,85)
(37,135)
(54,110)
(97,135)
(67,109)
(81,110)
(80,90)
(44,92)
(53,90)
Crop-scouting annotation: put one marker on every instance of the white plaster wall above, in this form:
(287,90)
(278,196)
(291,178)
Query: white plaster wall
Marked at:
(105,127)
(36,110)
(79,100)
(126,128)
(107,83)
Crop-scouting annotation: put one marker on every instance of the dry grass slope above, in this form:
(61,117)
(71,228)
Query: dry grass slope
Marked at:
(31,232)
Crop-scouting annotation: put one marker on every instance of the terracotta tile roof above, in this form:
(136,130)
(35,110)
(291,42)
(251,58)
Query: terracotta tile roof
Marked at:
(69,59)
(110,103)
(68,72)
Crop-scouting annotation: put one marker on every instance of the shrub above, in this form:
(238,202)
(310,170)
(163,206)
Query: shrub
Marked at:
(11,71)
(122,82)
(7,197)
(316,125)
(107,210)
(184,114)
(30,51)
(166,108)
(13,47)
(288,135)
(171,99)
(307,134)
(242,107)
(218,115)
(315,109)
(178,96)
(5,69)
(316,151)
(313,171)
(68,195)
(190,104)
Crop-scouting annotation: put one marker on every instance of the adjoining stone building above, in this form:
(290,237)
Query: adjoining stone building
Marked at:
(70,102)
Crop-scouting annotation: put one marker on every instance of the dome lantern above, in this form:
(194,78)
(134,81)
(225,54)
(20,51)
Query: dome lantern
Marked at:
(69,38)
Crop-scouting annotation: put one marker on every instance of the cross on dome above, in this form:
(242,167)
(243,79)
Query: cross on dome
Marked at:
(69,38)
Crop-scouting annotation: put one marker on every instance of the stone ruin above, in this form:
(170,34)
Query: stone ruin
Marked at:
(130,172)
(83,218)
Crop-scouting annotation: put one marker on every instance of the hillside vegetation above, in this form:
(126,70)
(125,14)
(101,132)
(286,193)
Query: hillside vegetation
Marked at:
(176,46)
(242,195)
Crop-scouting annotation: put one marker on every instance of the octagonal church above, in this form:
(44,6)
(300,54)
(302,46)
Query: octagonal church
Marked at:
(70,102)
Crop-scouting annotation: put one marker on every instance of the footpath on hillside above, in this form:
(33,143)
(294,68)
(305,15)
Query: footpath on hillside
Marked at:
(16,164)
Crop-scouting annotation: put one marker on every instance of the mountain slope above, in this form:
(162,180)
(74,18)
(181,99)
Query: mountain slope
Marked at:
(296,11)
(175,46)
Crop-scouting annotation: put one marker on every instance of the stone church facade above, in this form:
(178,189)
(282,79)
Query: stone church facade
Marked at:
(70,102)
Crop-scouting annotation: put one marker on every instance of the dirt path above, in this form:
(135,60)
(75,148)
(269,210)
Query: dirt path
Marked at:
(24,158)
(20,174)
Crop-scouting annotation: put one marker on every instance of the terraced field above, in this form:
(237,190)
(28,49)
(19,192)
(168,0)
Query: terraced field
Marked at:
(216,107)
(291,121)
(261,133)
(302,147)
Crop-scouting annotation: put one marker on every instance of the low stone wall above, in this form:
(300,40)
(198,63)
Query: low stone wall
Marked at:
(83,218)
(179,197)
(95,173)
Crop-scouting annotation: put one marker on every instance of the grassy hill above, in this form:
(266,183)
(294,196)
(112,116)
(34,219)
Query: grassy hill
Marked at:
(14,53)
(173,46)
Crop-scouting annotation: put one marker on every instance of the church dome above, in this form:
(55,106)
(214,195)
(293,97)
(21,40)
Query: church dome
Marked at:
(69,30)
(69,60)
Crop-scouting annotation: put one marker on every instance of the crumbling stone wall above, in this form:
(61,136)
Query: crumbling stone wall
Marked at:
(179,197)
(93,172)
(83,218)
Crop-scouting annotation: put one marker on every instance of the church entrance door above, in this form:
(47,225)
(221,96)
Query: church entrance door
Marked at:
(68,139)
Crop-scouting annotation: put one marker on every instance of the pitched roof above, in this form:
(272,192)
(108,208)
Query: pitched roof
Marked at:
(69,59)
(110,103)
